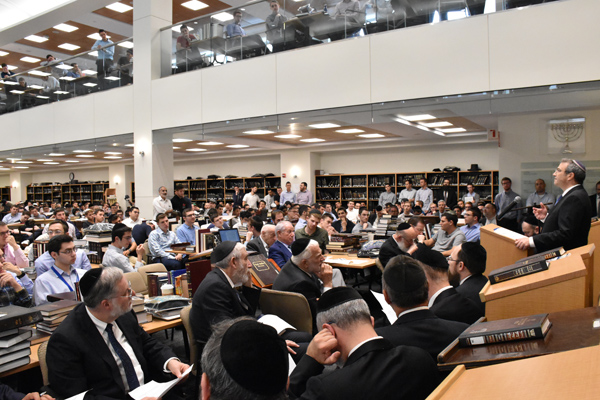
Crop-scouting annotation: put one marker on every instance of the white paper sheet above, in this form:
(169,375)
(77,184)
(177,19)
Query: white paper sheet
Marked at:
(387,309)
(156,389)
(508,233)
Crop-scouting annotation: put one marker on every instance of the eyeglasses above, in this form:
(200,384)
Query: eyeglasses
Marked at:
(129,291)
(68,251)
(55,232)
(5,233)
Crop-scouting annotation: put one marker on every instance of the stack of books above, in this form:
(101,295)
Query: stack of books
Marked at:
(382,225)
(53,314)
(166,307)
(341,243)
(137,303)
(14,343)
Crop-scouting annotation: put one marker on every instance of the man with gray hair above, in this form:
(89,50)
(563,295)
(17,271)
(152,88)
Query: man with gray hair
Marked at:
(372,369)
(161,204)
(281,250)
(262,242)
(101,346)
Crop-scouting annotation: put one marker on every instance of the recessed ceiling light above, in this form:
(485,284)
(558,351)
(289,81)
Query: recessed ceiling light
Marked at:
(119,7)
(223,16)
(312,140)
(13,159)
(17,91)
(371,135)
(36,38)
(113,153)
(89,84)
(35,87)
(30,59)
(209,143)
(56,154)
(438,132)
(127,44)
(324,125)
(423,128)
(181,140)
(72,161)
(419,117)
(82,151)
(12,68)
(4,169)
(130,145)
(51,163)
(290,136)
(93,53)
(436,124)
(3,53)
(453,130)
(21,167)
(112,157)
(354,130)
(259,132)
(69,46)
(89,72)
(38,73)
(66,27)
(237,146)
(176,148)
(194,5)
(85,156)
(44,160)
(195,149)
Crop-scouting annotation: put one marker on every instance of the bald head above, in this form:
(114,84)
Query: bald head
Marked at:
(268,234)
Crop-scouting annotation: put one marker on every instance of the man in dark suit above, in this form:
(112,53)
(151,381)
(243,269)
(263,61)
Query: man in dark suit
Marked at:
(405,289)
(595,200)
(400,243)
(465,272)
(444,300)
(373,368)
(238,196)
(568,223)
(264,241)
(447,193)
(281,250)
(101,347)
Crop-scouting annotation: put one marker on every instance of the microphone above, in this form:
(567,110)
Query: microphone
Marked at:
(509,207)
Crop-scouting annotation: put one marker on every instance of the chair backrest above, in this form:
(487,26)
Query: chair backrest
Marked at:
(43,364)
(185,319)
(146,257)
(137,282)
(379,264)
(150,268)
(289,306)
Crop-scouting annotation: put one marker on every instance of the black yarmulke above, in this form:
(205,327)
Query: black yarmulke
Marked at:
(299,246)
(255,357)
(221,251)
(531,220)
(432,258)
(404,277)
(336,296)
(403,226)
(88,280)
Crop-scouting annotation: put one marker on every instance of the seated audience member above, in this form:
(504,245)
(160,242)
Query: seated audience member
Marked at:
(444,300)
(490,211)
(7,393)
(13,217)
(406,212)
(62,276)
(101,346)
(400,243)
(141,232)
(35,213)
(352,212)
(59,214)
(186,233)
(417,223)
(216,221)
(235,28)
(29,231)
(363,221)
(448,236)
(115,219)
(393,211)
(471,229)
(372,367)
(276,216)
(326,221)
(234,370)
(14,285)
(312,231)
(264,241)
(433,210)
(343,224)
(44,262)
(243,220)
(161,240)
(281,250)
(114,257)
(375,216)
(465,271)
(530,226)
(235,219)
(90,218)
(292,214)
(255,225)
(303,212)
(134,218)
(405,289)
(262,211)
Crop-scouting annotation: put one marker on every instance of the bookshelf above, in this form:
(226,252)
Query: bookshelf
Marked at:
(69,192)
(5,193)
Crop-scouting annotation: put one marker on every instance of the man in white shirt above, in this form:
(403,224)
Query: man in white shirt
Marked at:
(134,218)
(352,213)
(14,217)
(408,193)
(251,198)
(114,257)
(161,204)
(363,222)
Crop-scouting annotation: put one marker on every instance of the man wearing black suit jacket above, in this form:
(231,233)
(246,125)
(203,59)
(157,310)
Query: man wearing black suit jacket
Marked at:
(405,289)
(400,243)
(447,193)
(595,200)
(262,242)
(373,368)
(568,223)
(465,272)
(100,346)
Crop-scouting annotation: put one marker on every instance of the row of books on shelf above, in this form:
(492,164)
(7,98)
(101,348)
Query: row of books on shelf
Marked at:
(481,179)
(354,195)
(325,195)
(333,183)
(352,182)
(381,180)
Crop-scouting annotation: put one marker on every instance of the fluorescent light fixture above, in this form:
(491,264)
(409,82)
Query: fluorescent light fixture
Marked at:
(113,157)
(112,78)
(89,72)
(61,92)
(3,53)
(51,163)
(24,162)
(56,154)
(63,66)
(209,143)
(177,28)
(119,7)
(13,159)
(96,36)
(42,97)
(113,153)
(419,117)
(36,38)
(4,169)
(223,16)
(90,84)
(67,78)
(237,146)
(176,148)
(353,130)
(181,140)
(436,124)
(12,67)
(259,132)
(93,53)
(127,44)
(371,135)
(17,91)
(35,87)
(38,73)
(194,5)
(69,46)
(44,160)
(312,140)
(130,145)
(72,161)
(11,83)
(66,27)
(324,125)
(438,132)
(453,130)
(82,151)
(85,156)
(21,167)
(30,59)
(195,149)
(289,136)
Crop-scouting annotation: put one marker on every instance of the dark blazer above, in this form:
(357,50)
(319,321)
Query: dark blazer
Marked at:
(292,279)
(280,253)
(79,359)
(238,198)
(389,250)
(376,370)
(451,201)
(471,288)
(424,330)
(215,300)
(337,225)
(594,205)
(453,306)
(256,245)
(567,223)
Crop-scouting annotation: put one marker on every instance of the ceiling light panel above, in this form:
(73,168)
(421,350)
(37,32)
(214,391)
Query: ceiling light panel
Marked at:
(181,140)
(354,130)
(30,59)
(453,130)
(195,149)
(312,140)
(66,27)
(258,132)
(419,117)
(194,5)
(126,44)
(290,136)
(324,125)
(36,38)
(237,146)
(436,124)
(223,16)
(119,7)
(371,135)
(3,53)
(68,46)
(209,143)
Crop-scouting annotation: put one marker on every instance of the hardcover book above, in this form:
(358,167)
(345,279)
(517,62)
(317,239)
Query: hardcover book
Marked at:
(506,330)
(12,317)
(263,271)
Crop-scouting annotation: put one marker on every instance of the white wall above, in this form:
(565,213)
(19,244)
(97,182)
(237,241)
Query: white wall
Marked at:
(84,174)
(239,166)
(4,180)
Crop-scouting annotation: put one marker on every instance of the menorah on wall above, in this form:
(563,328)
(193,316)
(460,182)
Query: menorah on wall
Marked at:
(567,130)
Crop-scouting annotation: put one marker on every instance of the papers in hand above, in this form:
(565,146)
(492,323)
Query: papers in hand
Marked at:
(79,396)
(387,309)
(156,389)
(275,322)
(508,233)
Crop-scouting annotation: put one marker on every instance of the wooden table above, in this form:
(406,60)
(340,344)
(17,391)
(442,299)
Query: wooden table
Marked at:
(570,330)
(191,255)
(350,261)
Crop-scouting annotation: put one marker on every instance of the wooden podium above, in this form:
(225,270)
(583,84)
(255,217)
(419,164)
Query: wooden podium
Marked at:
(594,238)
(501,251)
(560,288)
(568,375)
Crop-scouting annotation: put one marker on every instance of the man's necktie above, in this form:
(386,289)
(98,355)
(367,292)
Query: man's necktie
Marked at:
(132,380)
(558,199)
